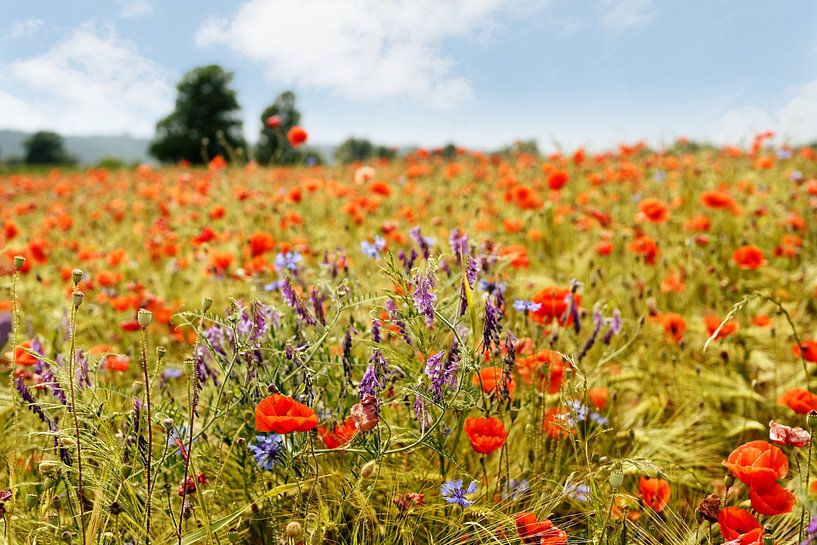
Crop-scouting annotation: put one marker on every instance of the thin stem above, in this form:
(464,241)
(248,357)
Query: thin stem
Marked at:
(71,387)
(150,437)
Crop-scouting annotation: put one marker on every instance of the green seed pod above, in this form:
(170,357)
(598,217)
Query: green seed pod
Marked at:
(47,466)
(31,500)
(811,419)
(294,529)
(232,535)
(76,276)
(616,479)
(78,297)
(137,387)
(206,303)
(729,480)
(144,317)
(160,352)
(368,469)
(19,261)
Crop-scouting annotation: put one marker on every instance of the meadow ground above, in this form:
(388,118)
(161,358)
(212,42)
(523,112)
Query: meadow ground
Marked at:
(481,349)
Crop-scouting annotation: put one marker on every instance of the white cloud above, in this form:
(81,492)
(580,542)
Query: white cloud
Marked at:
(626,14)
(134,8)
(795,121)
(360,49)
(25,27)
(92,82)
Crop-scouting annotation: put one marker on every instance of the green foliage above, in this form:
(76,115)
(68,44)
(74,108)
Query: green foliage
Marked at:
(273,148)
(205,122)
(46,148)
(354,149)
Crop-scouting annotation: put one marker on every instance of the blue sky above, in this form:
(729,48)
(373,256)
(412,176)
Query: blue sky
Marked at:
(481,73)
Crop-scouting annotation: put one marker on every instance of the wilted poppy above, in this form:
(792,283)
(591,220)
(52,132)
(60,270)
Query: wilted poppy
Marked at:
(655,493)
(281,414)
(785,435)
(486,434)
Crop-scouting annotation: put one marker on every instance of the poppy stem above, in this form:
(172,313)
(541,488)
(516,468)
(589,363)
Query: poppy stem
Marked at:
(150,437)
(72,386)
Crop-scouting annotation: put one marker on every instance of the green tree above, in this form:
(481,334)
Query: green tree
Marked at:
(46,148)
(276,120)
(205,122)
(354,149)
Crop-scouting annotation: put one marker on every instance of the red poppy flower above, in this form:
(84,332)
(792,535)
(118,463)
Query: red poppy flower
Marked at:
(491,379)
(296,136)
(599,397)
(117,363)
(807,350)
(770,498)
(558,179)
(486,434)
(735,521)
(538,532)
(281,414)
(712,322)
(749,257)
(757,462)
(21,357)
(339,435)
(554,305)
(654,210)
(655,493)
(646,248)
(555,424)
(273,121)
(675,326)
(799,400)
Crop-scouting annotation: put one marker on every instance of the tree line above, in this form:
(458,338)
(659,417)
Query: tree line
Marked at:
(206,123)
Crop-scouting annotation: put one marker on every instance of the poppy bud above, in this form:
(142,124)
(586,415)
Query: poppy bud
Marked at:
(78,297)
(19,261)
(768,539)
(160,352)
(232,535)
(729,480)
(811,419)
(76,276)
(68,442)
(206,303)
(144,317)
(31,500)
(67,536)
(137,387)
(47,466)
(167,423)
(616,479)
(294,529)
(368,469)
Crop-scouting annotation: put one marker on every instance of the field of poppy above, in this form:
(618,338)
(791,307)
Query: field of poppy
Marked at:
(579,348)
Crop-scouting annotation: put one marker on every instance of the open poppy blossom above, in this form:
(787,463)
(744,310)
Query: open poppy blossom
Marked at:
(538,532)
(281,414)
(339,435)
(757,462)
(799,400)
(749,257)
(770,498)
(734,522)
(554,305)
(486,434)
(655,493)
(296,136)
(491,379)
(806,350)
(22,356)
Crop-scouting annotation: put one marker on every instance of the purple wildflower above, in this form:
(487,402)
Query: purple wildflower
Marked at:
(316,297)
(459,243)
(424,298)
(526,306)
(422,242)
(376,331)
(490,331)
(614,326)
(598,322)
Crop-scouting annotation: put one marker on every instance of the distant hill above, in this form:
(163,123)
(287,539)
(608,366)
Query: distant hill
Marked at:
(87,149)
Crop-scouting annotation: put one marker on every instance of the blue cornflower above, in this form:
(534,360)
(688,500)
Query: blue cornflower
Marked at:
(273,286)
(454,492)
(288,260)
(514,489)
(796,176)
(526,306)
(369,249)
(267,451)
(172,373)
(784,154)
(597,418)
(577,491)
